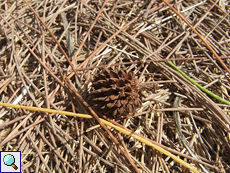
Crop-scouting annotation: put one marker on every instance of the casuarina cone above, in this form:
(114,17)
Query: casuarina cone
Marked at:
(115,93)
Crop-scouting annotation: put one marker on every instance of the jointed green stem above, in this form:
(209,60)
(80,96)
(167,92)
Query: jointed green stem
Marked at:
(199,86)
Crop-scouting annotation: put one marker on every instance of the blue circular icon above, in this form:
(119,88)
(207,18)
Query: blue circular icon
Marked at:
(8,159)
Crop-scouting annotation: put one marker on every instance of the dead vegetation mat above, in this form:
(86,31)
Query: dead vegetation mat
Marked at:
(50,51)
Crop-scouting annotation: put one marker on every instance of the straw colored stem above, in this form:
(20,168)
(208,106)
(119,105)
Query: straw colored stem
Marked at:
(141,139)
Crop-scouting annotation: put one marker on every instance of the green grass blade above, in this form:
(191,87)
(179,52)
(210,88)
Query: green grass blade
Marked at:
(199,86)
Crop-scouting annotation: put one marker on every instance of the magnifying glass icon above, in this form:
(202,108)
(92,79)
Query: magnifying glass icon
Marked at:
(9,160)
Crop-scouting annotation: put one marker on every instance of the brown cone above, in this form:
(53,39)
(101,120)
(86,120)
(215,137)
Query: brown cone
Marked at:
(115,93)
